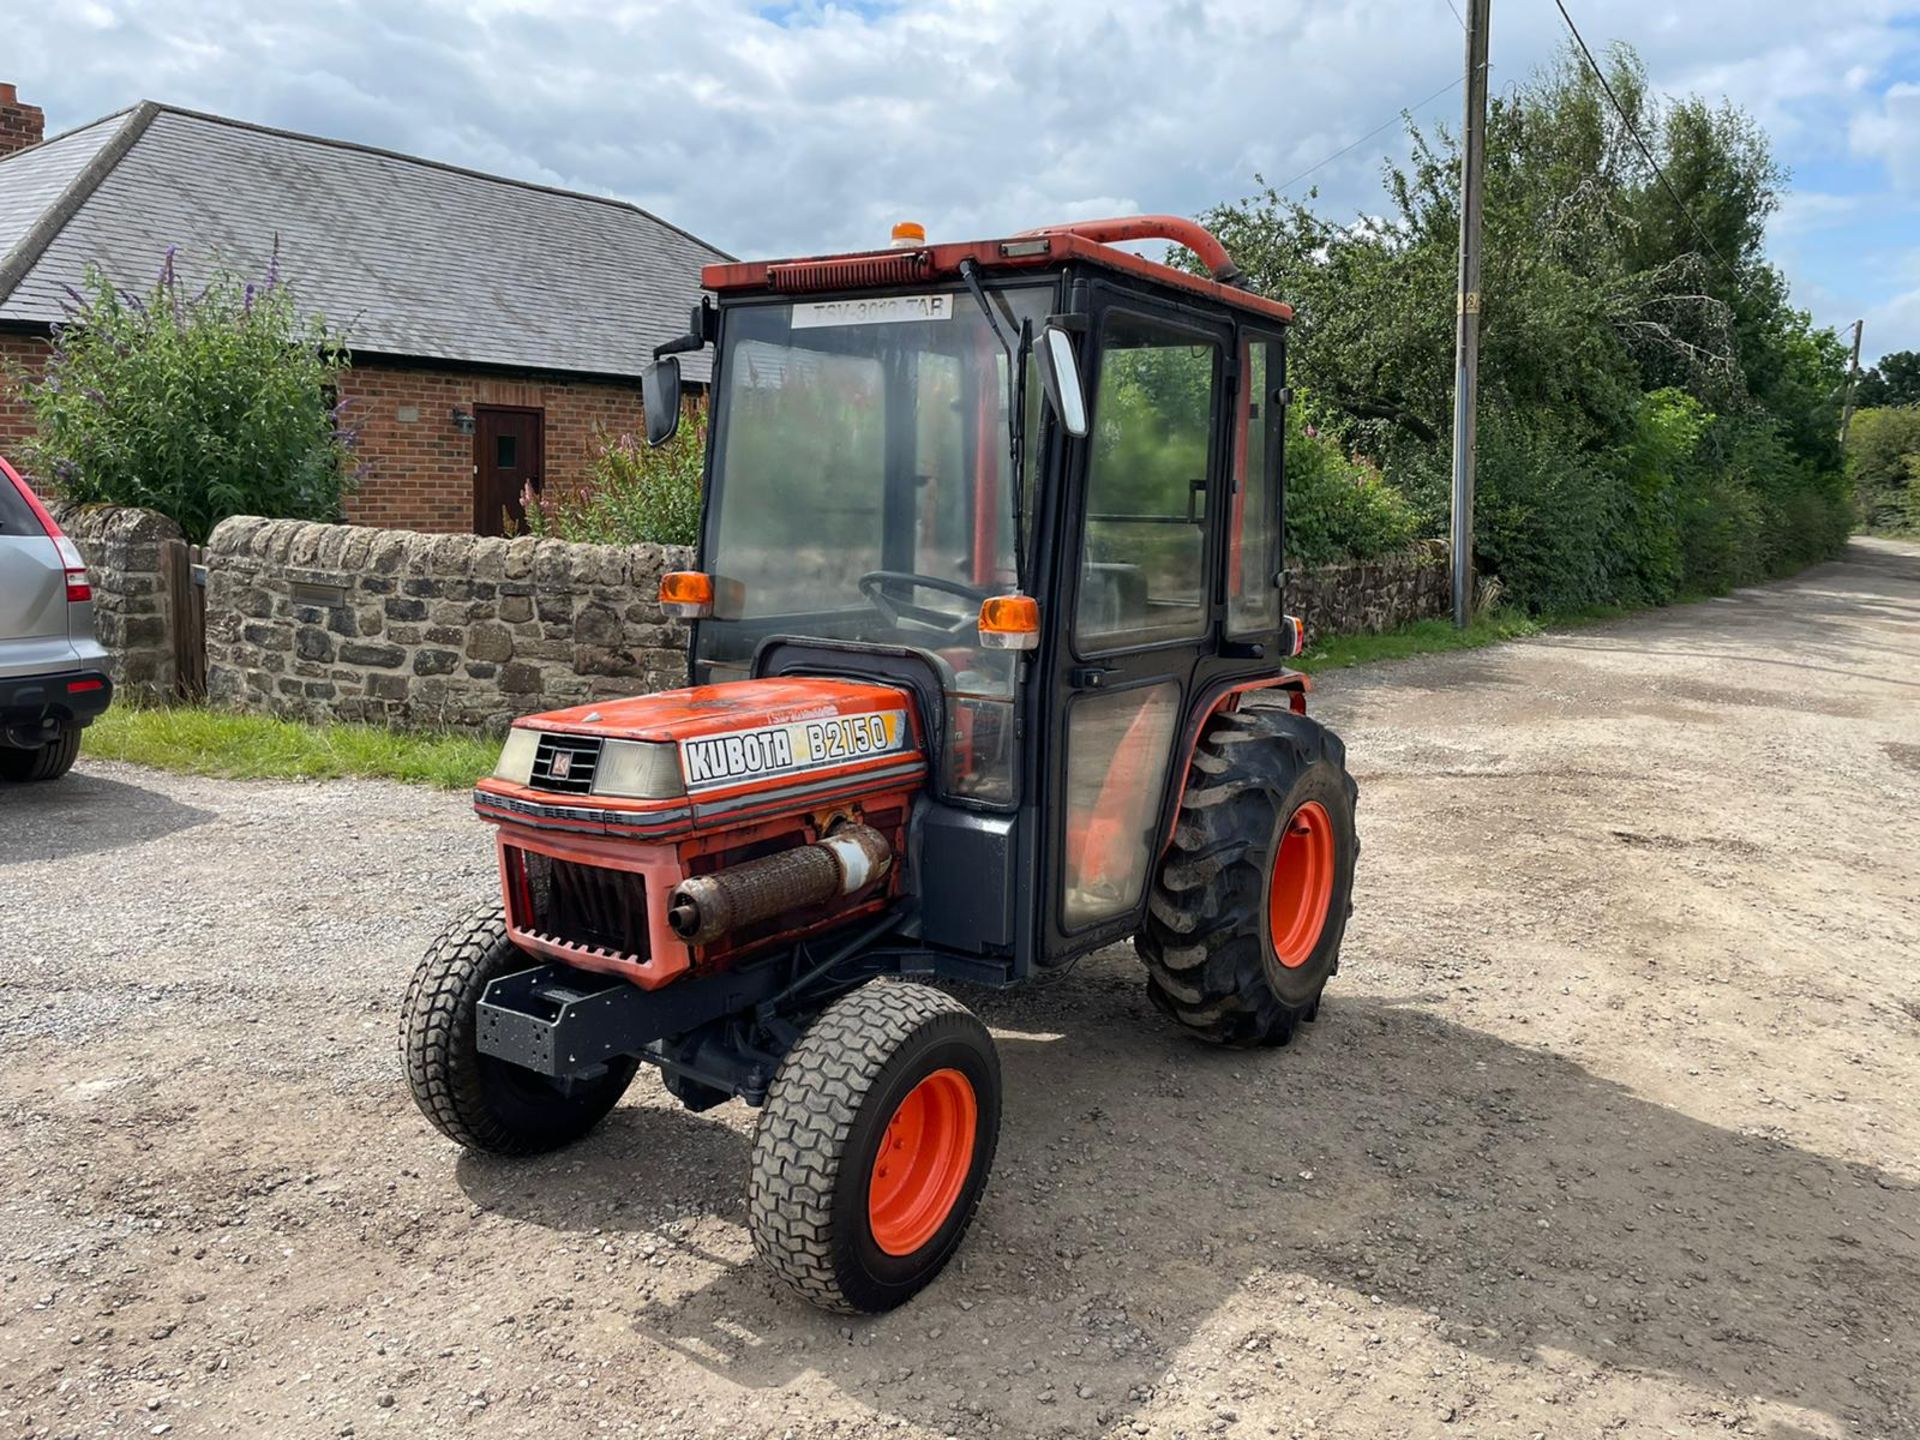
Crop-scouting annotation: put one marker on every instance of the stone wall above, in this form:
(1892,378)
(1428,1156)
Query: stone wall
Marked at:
(132,606)
(1370,596)
(322,622)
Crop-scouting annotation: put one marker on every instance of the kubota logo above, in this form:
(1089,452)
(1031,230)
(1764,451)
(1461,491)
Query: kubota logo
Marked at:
(801,745)
(729,757)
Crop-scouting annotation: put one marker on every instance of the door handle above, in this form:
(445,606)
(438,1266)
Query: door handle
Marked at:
(1090,677)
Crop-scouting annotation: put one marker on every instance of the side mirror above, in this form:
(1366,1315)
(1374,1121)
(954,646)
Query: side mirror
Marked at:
(660,397)
(1060,374)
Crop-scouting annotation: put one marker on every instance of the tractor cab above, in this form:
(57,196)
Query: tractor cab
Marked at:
(990,557)
(1041,476)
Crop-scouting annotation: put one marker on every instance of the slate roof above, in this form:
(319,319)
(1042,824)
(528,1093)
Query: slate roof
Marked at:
(408,257)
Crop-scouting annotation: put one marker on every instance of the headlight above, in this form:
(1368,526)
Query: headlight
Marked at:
(516,757)
(639,770)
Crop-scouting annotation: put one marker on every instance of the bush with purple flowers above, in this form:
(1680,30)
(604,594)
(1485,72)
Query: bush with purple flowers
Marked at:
(198,405)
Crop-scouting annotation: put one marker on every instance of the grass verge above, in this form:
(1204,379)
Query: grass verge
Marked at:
(1423,637)
(256,747)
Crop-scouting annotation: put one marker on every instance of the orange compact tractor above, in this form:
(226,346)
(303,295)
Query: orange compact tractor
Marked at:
(989,574)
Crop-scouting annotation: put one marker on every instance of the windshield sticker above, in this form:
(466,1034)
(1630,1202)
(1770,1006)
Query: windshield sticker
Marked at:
(879,310)
(741,755)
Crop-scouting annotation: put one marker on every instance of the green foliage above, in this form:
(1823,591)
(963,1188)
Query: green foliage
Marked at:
(198,406)
(1883,460)
(1338,509)
(1894,381)
(1656,419)
(633,494)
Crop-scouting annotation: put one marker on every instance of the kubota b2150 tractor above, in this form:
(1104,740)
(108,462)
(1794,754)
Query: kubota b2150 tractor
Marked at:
(986,651)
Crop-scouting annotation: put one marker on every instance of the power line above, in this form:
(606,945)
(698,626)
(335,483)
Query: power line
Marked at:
(1620,110)
(1384,125)
(1456,13)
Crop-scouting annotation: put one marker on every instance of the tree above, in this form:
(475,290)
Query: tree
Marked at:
(1656,417)
(199,406)
(1883,457)
(1894,381)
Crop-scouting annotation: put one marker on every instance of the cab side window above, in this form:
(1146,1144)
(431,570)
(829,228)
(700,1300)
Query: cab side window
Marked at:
(1143,561)
(1253,556)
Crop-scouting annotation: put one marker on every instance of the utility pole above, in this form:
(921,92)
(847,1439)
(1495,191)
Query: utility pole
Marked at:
(1853,374)
(1466,374)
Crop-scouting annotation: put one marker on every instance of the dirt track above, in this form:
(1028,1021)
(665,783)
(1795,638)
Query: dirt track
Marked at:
(1611,1124)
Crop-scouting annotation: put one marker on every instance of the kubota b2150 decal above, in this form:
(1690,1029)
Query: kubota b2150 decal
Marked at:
(711,761)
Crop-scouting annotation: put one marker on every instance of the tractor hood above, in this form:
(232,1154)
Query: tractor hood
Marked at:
(746,733)
(706,710)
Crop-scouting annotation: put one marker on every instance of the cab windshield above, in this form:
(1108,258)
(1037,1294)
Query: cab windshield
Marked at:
(861,476)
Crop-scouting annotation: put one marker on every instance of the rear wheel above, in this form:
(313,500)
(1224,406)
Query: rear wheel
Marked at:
(874,1146)
(1250,905)
(44,762)
(473,1099)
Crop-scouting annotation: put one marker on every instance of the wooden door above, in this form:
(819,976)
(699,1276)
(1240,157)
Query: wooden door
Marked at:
(507,457)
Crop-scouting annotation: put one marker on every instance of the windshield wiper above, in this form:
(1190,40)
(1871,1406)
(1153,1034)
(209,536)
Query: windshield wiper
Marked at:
(1016,411)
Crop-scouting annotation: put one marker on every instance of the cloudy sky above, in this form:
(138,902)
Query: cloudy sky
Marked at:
(769,128)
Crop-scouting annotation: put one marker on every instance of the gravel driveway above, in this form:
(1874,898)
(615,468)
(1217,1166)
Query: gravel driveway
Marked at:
(1610,1125)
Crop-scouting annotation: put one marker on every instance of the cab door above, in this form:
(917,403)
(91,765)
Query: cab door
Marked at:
(1141,565)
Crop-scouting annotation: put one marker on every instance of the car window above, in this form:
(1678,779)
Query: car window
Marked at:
(16,516)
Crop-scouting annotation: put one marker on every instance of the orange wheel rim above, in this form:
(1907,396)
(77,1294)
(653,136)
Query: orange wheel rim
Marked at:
(924,1160)
(1302,887)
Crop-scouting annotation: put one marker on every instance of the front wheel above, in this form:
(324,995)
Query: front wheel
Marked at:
(874,1146)
(473,1099)
(1251,901)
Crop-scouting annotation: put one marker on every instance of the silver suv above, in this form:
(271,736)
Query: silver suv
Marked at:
(53,678)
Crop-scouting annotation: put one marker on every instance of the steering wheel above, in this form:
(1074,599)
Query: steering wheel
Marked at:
(895,611)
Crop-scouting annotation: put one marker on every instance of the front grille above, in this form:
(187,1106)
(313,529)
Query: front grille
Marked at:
(565,763)
(585,905)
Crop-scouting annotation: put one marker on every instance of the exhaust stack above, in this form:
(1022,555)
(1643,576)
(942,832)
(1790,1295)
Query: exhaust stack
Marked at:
(850,860)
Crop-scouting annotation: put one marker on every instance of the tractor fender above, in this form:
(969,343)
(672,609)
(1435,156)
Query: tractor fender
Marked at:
(1223,696)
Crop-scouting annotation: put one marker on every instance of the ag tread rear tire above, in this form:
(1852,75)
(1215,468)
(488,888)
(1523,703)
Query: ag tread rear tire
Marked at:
(1210,959)
(821,1129)
(44,762)
(473,1099)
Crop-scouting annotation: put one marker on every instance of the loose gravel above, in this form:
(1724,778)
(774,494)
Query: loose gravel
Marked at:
(1608,1125)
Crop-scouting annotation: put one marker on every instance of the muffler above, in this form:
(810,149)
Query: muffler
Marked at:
(850,860)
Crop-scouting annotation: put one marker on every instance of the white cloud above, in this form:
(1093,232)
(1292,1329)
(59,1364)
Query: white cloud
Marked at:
(973,116)
(1803,212)
(1894,323)
(1891,133)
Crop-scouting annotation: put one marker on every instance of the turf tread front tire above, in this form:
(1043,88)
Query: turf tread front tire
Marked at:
(471,1099)
(806,1196)
(1209,957)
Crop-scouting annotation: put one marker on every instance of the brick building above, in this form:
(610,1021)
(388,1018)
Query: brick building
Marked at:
(495,325)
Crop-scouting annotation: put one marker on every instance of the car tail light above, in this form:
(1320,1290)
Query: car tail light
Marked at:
(78,590)
(81,687)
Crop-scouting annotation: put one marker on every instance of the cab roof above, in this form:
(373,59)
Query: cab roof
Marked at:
(1082,241)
